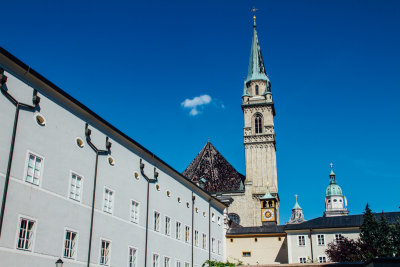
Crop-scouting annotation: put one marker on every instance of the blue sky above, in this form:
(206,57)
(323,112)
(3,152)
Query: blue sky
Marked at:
(333,65)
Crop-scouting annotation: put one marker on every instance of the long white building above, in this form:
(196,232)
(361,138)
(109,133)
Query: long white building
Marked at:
(73,187)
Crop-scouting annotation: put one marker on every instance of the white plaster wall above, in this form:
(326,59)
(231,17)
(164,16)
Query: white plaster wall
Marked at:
(295,251)
(49,204)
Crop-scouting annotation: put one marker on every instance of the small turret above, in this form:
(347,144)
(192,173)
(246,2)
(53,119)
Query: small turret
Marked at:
(297,214)
(334,200)
(268,207)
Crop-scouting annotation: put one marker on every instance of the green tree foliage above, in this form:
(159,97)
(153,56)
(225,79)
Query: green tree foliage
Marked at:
(385,240)
(396,239)
(209,263)
(377,239)
(369,234)
(347,250)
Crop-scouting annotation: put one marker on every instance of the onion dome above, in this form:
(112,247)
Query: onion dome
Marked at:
(333,188)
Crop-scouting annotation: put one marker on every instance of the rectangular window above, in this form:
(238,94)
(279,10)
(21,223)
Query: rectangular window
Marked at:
(108,200)
(69,244)
(178,263)
(155,260)
(321,240)
(302,240)
(156,222)
(105,252)
(132,257)
(213,244)
(196,238)
(246,253)
(167,225)
(302,260)
(187,234)
(322,259)
(76,185)
(178,230)
(134,212)
(219,247)
(338,238)
(166,262)
(25,237)
(204,241)
(34,168)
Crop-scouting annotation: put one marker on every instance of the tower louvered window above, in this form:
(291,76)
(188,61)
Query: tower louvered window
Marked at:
(258,124)
(256,89)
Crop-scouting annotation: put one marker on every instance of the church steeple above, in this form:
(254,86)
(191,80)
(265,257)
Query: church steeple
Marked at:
(259,136)
(256,69)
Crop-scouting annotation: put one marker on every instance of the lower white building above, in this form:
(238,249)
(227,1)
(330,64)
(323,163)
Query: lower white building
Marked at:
(307,241)
(75,188)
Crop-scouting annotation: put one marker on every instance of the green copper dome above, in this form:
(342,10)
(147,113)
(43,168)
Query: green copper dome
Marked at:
(333,189)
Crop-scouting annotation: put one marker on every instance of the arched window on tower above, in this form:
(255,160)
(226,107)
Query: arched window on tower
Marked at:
(256,89)
(258,123)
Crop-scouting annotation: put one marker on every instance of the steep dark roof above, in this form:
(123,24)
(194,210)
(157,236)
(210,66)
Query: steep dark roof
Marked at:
(340,221)
(219,174)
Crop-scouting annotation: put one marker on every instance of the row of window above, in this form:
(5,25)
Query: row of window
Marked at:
(167,262)
(321,259)
(34,173)
(321,239)
(26,236)
(178,233)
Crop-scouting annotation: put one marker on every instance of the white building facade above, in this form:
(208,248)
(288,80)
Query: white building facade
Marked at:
(74,187)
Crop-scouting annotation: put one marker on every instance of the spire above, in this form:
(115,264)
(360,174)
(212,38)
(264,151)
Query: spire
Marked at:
(267,195)
(256,63)
(297,214)
(332,175)
(296,205)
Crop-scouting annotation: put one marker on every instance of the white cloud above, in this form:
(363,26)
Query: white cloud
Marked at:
(196,103)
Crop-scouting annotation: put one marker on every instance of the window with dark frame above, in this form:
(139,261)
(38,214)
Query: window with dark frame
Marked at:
(258,123)
(132,257)
(69,245)
(105,252)
(246,253)
(25,237)
(321,240)
(302,240)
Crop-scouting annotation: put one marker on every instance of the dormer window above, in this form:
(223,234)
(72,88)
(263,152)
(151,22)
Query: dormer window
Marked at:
(258,123)
(256,89)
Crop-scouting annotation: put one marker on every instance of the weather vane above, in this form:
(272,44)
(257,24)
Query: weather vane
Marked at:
(254,9)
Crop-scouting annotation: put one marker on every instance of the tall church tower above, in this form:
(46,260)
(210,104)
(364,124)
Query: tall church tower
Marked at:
(259,133)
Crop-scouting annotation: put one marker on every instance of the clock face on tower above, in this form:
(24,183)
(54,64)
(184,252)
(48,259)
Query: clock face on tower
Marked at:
(268,215)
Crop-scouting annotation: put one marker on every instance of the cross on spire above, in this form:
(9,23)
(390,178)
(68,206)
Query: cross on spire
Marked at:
(254,9)
(296,197)
(331,165)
